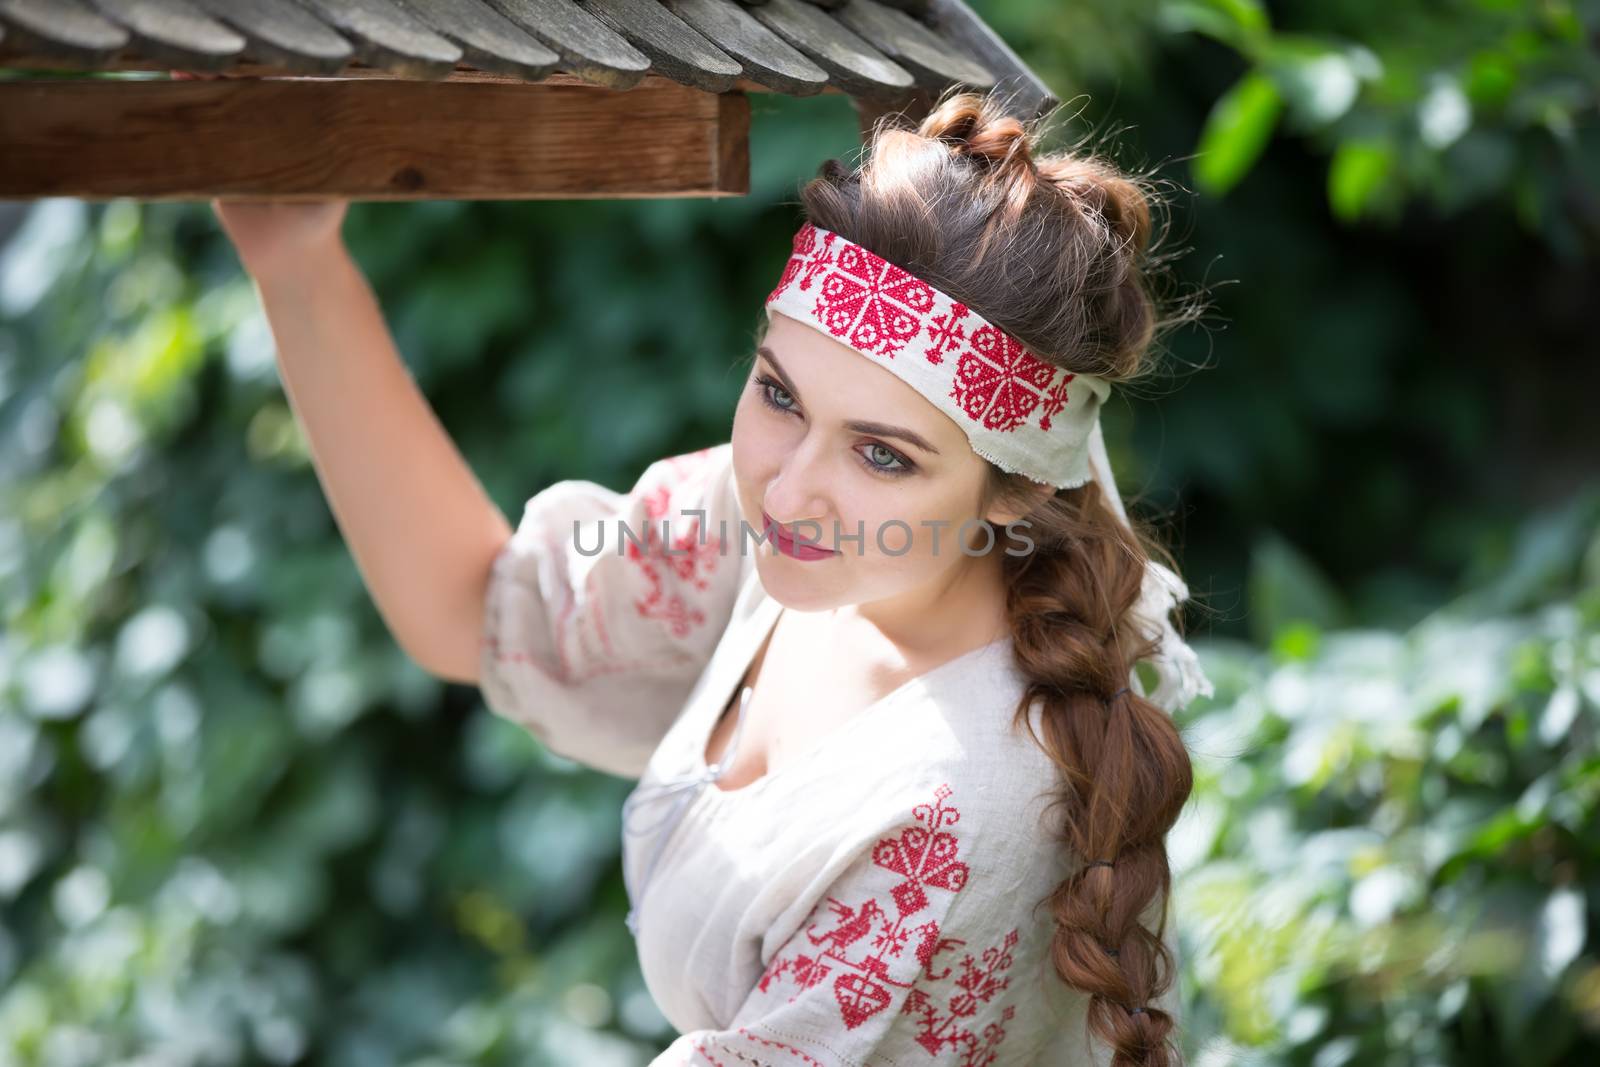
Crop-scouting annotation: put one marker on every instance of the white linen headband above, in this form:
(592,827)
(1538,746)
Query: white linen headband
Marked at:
(1018,411)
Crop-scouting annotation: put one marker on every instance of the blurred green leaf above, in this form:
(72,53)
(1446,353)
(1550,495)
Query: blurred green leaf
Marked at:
(1236,132)
(1286,590)
(1357,175)
(1237,22)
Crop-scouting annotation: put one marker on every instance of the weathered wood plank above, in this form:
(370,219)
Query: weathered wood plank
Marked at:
(936,63)
(766,57)
(828,5)
(588,47)
(377,139)
(1025,94)
(388,37)
(488,40)
(283,33)
(918,9)
(66,31)
(851,63)
(732,128)
(675,48)
(176,32)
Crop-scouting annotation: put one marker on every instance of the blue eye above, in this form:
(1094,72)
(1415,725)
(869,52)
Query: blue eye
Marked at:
(767,387)
(888,452)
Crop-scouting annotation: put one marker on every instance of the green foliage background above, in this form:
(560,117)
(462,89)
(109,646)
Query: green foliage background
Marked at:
(238,826)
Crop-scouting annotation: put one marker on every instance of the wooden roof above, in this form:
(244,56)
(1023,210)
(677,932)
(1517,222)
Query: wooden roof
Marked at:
(344,97)
(885,51)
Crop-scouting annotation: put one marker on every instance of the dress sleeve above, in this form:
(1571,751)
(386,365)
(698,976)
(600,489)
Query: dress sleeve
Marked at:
(911,956)
(603,608)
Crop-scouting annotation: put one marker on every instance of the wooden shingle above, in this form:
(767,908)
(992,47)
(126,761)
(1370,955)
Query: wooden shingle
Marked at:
(283,33)
(675,49)
(589,49)
(175,31)
(388,37)
(853,64)
(767,58)
(67,30)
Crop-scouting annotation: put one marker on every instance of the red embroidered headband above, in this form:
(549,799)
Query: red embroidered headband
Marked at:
(1019,412)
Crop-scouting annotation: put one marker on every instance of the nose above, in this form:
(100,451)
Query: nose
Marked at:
(799,492)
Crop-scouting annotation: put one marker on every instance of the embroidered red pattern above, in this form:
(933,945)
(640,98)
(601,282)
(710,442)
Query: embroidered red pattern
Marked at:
(570,668)
(946,332)
(1054,400)
(691,556)
(880,308)
(999,383)
(871,303)
(567,669)
(978,983)
(865,947)
(810,256)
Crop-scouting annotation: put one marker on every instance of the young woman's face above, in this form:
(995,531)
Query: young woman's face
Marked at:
(808,463)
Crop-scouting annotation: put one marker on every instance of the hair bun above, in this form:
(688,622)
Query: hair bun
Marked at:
(1105,191)
(975,127)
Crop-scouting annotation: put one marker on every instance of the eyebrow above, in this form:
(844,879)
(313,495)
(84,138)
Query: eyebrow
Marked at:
(882,429)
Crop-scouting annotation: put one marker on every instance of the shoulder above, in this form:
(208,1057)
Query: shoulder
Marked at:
(708,468)
(953,764)
(973,741)
(953,730)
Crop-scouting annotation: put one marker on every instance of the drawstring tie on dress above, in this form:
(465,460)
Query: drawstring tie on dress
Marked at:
(681,790)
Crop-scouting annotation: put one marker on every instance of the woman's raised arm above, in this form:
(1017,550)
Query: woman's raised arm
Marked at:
(423,531)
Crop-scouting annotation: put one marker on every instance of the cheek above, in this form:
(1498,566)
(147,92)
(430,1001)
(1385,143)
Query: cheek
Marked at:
(747,434)
(757,449)
(909,522)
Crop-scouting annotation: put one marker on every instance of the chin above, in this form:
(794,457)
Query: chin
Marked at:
(789,583)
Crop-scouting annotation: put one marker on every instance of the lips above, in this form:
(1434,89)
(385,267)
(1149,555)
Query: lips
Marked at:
(789,546)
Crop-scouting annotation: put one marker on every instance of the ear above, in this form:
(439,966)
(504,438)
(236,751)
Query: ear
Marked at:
(1009,511)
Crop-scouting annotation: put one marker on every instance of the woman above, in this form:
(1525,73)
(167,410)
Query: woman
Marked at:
(902,799)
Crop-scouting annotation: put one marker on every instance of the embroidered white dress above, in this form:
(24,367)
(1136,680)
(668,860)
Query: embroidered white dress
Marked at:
(876,900)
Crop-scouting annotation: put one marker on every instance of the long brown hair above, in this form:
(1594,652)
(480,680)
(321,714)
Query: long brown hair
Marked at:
(1057,250)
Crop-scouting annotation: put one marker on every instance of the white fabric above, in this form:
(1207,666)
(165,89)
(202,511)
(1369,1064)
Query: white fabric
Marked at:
(572,638)
(1179,676)
(1018,411)
(872,901)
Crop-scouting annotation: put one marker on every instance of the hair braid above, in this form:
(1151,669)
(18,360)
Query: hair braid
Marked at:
(1125,772)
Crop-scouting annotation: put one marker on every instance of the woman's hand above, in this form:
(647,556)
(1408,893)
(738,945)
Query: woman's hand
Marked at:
(275,236)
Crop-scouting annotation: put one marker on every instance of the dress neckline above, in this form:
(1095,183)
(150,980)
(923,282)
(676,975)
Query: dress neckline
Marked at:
(768,615)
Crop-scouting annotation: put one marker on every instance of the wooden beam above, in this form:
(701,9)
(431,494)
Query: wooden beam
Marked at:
(369,139)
